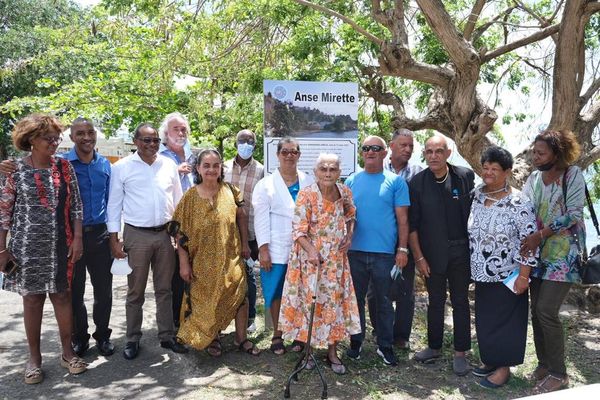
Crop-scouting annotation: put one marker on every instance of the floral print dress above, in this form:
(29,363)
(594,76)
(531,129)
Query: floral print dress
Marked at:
(559,252)
(336,310)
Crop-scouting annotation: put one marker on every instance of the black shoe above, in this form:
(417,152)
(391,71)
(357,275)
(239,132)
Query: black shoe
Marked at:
(131,350)
(80,348)
(387,353)
(174,345)
(482,372)
(354,351)
(105,347)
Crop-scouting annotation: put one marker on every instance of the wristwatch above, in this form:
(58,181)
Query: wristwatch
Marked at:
(403,249)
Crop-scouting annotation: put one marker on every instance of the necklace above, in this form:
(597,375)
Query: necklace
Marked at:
(487,195)
(445,177)
(287,180)
(41,190)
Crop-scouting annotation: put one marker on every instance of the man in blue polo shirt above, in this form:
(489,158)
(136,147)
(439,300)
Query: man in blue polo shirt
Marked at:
(93,177)
(379,242)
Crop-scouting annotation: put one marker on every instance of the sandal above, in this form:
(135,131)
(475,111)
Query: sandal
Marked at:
(539,373)
(33,375)
(551,383)
(75,366)
(277,347)
(296,346)
(214,349)
(252,350)
(337,368)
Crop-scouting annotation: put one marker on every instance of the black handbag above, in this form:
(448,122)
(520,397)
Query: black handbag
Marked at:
(589,266)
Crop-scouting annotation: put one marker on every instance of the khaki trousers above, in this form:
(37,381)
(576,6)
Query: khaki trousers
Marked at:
(147,249)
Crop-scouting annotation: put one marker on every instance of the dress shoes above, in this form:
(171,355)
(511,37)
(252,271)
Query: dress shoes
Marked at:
(80,348)
(131,350)
(105,347)
(173,345)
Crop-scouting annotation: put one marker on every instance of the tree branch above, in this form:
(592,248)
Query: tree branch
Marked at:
(543,22)
(544,33)
(481,30)
(591,90)
(343,18)
(592,7)
(460,51)
(473,17)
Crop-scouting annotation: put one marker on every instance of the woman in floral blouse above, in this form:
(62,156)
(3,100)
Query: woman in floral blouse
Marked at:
(560,220)
(500,218)
(322,231)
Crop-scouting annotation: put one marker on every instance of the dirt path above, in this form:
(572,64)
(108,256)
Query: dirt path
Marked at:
(161,374)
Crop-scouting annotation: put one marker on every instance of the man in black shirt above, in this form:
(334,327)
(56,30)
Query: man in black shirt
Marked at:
(440,201)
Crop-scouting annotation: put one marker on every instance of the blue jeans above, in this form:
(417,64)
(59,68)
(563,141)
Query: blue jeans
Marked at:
(373,267)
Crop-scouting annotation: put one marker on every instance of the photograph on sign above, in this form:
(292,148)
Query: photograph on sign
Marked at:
(322,116)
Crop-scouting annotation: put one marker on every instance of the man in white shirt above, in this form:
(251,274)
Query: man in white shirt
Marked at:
(144,191)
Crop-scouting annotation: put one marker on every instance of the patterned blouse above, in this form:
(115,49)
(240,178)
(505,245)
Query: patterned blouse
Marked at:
(495,234)
(559,252)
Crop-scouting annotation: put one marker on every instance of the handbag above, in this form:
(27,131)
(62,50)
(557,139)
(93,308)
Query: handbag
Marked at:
(588,266)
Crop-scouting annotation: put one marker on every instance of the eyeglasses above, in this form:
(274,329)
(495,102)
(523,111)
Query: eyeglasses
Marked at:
(374,148)
(52,139)
(286,152)
(149,140)
(249,141)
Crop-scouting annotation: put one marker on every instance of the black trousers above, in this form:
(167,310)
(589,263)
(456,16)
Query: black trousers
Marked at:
(457,278)
(97,260)
(405,303)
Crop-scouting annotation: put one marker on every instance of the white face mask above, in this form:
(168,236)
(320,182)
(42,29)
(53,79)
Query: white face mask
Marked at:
(245,150)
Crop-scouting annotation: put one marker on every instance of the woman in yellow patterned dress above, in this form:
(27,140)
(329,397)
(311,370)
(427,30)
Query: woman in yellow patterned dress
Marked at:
(322,231)
(212,228)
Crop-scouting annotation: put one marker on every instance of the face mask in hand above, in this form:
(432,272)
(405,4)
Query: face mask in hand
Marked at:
(245,150)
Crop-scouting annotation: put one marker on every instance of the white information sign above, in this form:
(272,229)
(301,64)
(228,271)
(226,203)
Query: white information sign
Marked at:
(322,116)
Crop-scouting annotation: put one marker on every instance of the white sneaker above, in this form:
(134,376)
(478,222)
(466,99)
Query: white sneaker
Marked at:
(251,328)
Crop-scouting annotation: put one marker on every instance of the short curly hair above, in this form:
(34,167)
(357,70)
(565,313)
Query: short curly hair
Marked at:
(499,155)
(563,144)
(33,126)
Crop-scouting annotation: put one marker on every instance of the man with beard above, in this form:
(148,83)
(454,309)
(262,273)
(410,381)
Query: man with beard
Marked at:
(174,131)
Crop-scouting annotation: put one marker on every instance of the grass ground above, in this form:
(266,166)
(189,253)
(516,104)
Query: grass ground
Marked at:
(264,377)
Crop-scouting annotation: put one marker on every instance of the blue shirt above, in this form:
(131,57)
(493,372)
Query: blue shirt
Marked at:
(376,197)
(187,180)
(94,183)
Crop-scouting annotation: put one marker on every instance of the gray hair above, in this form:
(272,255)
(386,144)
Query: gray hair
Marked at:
(245,132)
(402,132)
(324,157)
(162,130)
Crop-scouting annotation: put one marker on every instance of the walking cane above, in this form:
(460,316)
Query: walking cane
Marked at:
(303,362)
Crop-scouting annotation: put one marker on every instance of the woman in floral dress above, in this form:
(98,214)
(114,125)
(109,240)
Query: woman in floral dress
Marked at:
(322,231)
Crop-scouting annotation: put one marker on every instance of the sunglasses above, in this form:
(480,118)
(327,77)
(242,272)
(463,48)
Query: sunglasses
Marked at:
(374,148)
(149,140)
(286,152)
(51,139)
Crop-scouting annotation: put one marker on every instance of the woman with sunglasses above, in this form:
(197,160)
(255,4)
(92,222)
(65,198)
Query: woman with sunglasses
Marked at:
(212,237)
(41,207)
(274,201)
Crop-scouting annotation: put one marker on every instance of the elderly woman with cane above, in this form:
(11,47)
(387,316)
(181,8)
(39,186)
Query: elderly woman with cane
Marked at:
(322,231)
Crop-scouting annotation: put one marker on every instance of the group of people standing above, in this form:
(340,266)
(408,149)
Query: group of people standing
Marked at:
(199,223)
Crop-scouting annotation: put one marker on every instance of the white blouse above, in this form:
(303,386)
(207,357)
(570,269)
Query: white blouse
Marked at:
(495,234)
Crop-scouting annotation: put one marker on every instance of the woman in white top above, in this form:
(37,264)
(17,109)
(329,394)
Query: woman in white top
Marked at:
(274,201)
